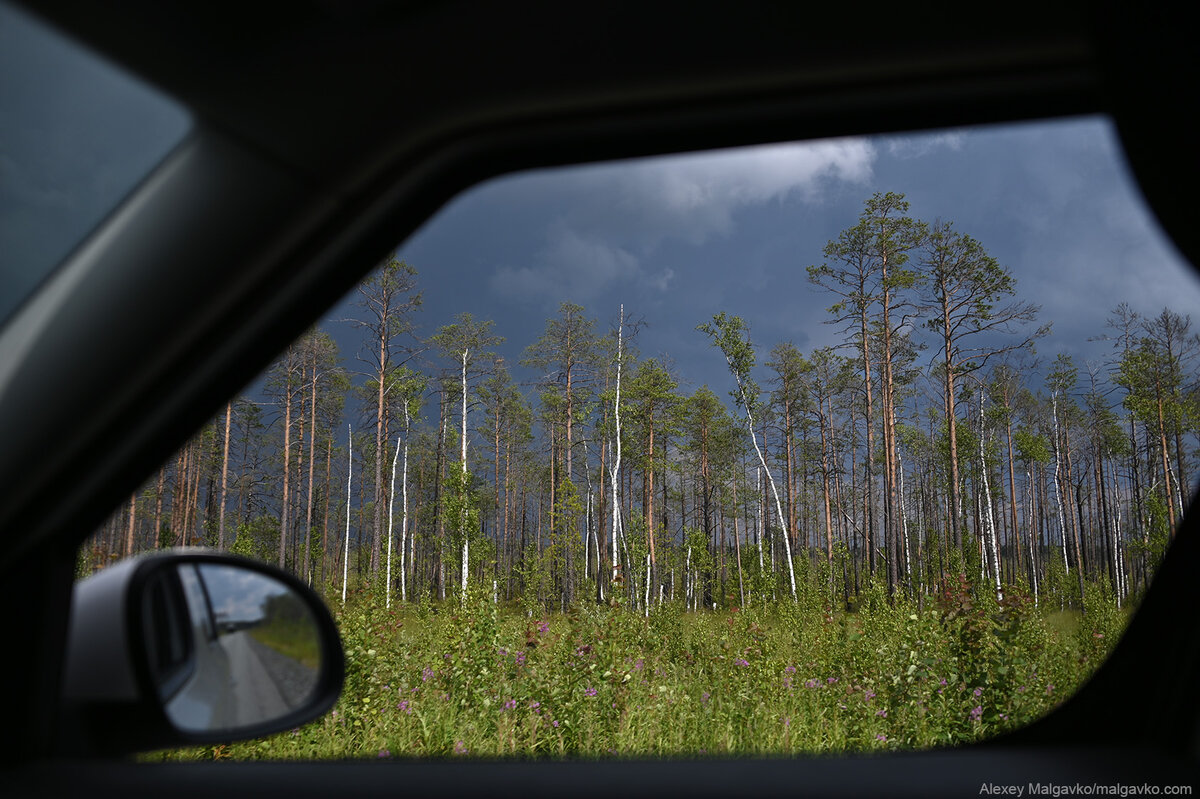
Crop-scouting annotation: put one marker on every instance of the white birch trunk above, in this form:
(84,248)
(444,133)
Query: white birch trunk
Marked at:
(349,473)
(404,516)
(387,586)
(994,549)
(687,578)
(466,548)
(1062,528)
(787,542)
(616,467)
(1033,565)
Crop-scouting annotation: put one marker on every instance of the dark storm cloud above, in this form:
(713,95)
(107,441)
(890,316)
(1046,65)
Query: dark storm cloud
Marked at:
(678,239)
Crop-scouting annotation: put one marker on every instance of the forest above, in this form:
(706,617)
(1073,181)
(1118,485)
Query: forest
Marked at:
(925,536)
(933,443)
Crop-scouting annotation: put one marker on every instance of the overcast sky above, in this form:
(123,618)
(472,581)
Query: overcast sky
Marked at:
(678,239)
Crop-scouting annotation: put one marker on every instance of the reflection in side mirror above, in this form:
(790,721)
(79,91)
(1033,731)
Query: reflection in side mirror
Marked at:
(257,650)
(190,647)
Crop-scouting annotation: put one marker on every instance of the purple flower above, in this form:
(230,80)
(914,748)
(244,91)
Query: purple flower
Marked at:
(942,681)
(384,753)
(555,722)
(787,683)
(880,737)
(426,674)
(510,704)
(831,680)
(589,691)
(811,683)
(704,697)
(534,706)
(741,662)
(460,748)
(881,713)
(978,692)
(521,658)
(790,670)
(868,695)
(976,712)
(404,706)
(639,665)
(543,627)
(1049,689)
(1021,689)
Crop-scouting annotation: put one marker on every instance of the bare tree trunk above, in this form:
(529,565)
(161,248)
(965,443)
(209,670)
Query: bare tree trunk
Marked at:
(287,468)
(132,522)
(349,475)
(224,478)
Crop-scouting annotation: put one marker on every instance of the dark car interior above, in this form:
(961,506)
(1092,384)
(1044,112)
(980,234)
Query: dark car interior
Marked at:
(325,132)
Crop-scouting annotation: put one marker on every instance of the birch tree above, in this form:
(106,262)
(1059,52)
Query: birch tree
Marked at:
(729,334)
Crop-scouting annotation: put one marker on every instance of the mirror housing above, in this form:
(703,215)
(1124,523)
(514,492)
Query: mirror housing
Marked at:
(187,647)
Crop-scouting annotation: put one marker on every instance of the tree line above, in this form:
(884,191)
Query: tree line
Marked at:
(932,443)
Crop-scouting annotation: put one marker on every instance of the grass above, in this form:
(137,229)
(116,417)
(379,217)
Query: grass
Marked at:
(775,680)
(295,639)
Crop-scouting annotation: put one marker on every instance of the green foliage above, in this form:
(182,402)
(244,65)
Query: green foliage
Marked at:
(258,539)
(774,678)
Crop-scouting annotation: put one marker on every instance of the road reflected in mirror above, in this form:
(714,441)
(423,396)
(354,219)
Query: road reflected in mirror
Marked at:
(257,650)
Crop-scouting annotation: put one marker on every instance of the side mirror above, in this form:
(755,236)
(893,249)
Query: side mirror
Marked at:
(189,647)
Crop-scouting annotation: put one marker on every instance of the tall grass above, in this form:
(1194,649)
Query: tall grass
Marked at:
(436,681)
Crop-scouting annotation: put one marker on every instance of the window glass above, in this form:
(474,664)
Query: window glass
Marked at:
(76,135)
(862,444)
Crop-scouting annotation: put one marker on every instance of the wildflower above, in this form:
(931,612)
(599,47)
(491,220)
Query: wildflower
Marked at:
(555,722)
(880,737)
(790,670)
(510,704)
(426,674)
(384,753)
(460,748)
(704,697)
(589,691)
(543,627)
(976,712)
(404,706)
(811,683)
(534,706)
(502,652)
(868,695)
(1049,689)
(1021,689)
(787,721)
(741,662)
(787,683)
(942,681)
(978,692)
(639,665)
(881,713)
(521,658)
(831,680)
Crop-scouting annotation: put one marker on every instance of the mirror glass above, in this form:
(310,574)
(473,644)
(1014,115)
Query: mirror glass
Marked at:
(256,650)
